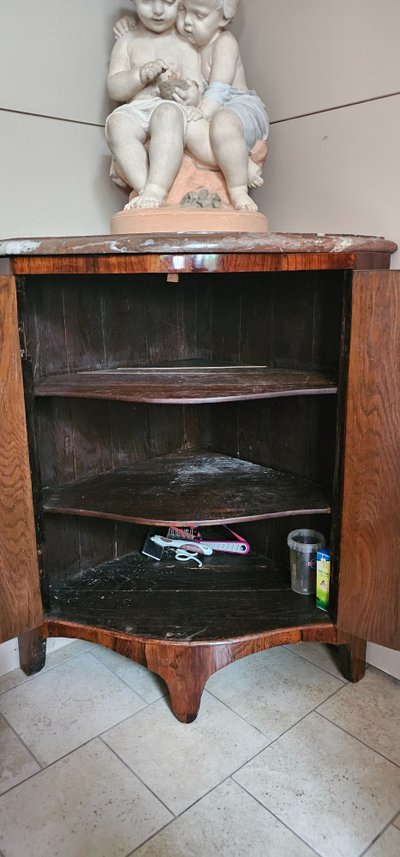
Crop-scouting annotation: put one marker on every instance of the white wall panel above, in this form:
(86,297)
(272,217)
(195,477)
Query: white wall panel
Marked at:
(54,56)
(306,55)
(54,178)
(336,172)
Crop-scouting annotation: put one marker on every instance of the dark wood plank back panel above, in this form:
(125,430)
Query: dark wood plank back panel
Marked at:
(289,321)
(73,544)
(83,318)
(43,317)
(124,316)
(20,603)
(295,434)
(369,585)
(328,309)
(55,440)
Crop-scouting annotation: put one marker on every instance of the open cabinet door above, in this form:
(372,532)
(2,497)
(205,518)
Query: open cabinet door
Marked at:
(20,602)
(369,583)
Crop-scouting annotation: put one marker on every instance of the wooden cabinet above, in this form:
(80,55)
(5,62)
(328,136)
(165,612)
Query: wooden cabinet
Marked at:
(248,381)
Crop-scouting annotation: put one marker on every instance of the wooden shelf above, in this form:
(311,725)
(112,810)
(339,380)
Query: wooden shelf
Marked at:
(186,385)
(227,598)
(183,488)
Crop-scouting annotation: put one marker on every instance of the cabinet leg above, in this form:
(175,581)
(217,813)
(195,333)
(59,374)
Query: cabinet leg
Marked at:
(352,657)
(185,670)
(32,652)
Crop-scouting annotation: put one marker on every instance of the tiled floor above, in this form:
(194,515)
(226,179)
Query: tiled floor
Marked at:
(285,760)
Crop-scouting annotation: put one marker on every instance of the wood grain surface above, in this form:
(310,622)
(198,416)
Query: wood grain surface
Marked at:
(188,385)
(186,488)
(20,603)
(369,584)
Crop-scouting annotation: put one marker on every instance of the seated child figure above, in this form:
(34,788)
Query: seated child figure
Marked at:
(236,115)
(139,59)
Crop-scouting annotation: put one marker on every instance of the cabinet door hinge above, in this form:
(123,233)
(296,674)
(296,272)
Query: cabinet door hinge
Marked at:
(39,552)
(22,341)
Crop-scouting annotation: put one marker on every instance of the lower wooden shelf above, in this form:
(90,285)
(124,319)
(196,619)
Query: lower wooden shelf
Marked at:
(224,600)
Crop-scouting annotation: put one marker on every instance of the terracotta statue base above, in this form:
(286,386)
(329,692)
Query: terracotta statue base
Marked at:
(193,177)
(174,218)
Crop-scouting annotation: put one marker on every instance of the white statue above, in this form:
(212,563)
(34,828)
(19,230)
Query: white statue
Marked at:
(211,111)
(139,59)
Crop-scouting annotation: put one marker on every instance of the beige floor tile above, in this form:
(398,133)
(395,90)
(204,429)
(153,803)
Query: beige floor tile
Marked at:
(369,710)
(181,762)
(388,845)
(330,789)
(53,659)
(16,763)
(320,654)
(86,805)
(143,681)
(272,689)
(225,823)
(67,706)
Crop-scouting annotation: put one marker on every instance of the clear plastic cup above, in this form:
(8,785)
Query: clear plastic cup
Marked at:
(303,546)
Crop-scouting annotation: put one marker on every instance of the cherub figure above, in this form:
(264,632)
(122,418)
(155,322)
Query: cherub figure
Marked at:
(141,58)
(236,115)
(229,118)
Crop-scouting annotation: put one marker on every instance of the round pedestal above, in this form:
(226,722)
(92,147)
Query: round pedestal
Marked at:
(176,219)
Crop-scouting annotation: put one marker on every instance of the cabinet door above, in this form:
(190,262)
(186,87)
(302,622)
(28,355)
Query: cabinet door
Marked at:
(20,603)
(369,582)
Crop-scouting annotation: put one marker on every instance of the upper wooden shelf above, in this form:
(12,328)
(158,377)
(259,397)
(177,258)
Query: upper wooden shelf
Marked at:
(186,385)
(187,488)
(206,252)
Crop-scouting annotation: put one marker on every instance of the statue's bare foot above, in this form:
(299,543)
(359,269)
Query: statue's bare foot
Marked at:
(255,178)
(151,196)
(144,201)
(241,200)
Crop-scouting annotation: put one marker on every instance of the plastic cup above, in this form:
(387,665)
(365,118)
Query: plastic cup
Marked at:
(303,546)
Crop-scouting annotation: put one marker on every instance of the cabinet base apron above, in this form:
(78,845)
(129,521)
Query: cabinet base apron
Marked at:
(186,666)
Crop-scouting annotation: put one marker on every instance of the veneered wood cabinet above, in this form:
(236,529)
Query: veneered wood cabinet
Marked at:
(243,380)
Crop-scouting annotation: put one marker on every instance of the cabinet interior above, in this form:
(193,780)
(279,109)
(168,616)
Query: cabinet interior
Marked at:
(213,399)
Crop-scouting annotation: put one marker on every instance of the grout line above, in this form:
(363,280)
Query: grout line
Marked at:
(153,835)
(162,695)
(132,771)
(31,753)
(53,118)
(241,716)
(360,741)
(46,669)
(51,764)
(22,783)
(283,823)
(336,107)
(384,829)
(341,678)
(272,740)
(345,681)
(278,737)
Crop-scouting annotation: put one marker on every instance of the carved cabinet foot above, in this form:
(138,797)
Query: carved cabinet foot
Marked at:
(352,657)
(32,652)
(185,670)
